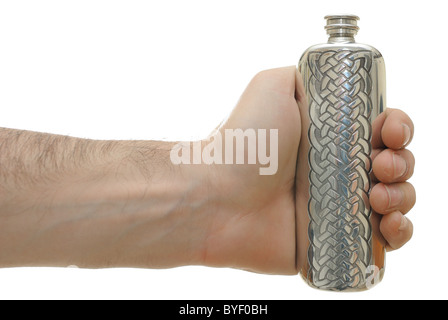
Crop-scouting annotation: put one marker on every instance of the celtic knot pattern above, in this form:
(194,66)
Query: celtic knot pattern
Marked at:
(340,132)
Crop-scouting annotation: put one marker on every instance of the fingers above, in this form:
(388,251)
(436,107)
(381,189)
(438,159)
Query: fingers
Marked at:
(396,229)
(393,197)
(386,199)
(392,166)
(392,129)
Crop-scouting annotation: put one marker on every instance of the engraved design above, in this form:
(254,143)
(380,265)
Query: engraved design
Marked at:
(340,233)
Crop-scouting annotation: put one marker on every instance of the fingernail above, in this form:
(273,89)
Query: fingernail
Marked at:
(400,165)
(404,223)
(407,134)
(395,196)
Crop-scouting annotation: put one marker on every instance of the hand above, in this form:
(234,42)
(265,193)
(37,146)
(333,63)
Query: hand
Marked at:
(95,204)
(258,221)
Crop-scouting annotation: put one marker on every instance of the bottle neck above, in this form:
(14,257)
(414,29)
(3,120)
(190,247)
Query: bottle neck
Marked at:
(342,28)
(341,38)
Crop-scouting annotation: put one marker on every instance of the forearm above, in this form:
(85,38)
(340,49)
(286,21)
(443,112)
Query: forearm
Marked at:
(68,201)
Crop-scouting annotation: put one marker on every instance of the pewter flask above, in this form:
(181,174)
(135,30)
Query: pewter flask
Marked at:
(345,92)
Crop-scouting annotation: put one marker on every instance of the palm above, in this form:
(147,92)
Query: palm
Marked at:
(258,229)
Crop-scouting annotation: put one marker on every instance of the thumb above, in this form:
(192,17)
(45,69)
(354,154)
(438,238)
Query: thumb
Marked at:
(269,102)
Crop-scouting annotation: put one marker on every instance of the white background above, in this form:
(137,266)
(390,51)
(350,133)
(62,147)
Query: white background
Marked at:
(173,70)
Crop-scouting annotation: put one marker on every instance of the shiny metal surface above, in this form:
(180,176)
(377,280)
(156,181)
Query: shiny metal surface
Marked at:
(345,88)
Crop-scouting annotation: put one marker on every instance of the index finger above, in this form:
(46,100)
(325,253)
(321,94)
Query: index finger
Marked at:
(392,129)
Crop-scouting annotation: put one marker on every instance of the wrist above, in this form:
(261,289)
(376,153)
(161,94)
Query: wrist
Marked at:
(173,212)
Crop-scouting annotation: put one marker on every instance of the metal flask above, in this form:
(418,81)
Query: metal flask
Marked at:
(345,92)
